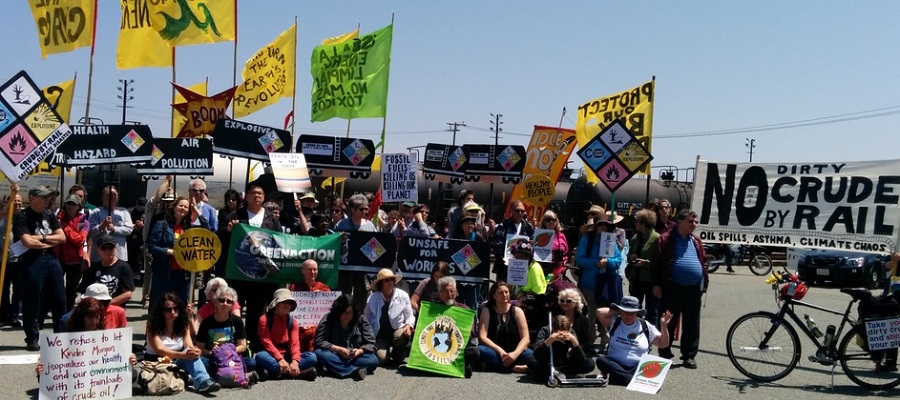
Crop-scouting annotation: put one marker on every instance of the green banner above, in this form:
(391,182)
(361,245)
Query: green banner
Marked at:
(261,255)
(439,344)
(350,79)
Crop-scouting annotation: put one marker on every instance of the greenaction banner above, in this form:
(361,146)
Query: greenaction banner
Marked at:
(261,255)
(439,344)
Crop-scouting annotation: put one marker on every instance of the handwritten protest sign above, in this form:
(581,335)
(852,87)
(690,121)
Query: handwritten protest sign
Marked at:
(607,244)
(291,174)
(398,177)
(86,365)
(883,334)
(650,374)
(312,307)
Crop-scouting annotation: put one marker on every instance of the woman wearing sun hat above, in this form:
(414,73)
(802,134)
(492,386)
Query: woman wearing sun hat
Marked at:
(390,313)
(630,338)
(280,338)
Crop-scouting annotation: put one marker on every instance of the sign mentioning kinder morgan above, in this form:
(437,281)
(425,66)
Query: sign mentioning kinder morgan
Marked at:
(845,205)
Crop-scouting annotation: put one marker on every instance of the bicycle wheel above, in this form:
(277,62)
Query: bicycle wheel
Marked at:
(761,264)
(763,362)
(865,368)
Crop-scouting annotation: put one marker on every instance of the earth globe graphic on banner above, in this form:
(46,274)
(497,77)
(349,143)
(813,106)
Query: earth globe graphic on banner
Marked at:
(249,258)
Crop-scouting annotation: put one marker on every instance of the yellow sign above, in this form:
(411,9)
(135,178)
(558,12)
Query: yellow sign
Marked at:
(538,190)
(268,75)
(60,98)
(633,156)
(202,112)
(197,249)
(63,25)
(633,107)
(139,44)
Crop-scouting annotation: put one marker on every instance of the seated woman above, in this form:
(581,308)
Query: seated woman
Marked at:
(392,318)
(503,334)
(629,338)
(569,357)
(345,343)
(223,327)
(427,289)
(169,339)
(210,307)
(280,337)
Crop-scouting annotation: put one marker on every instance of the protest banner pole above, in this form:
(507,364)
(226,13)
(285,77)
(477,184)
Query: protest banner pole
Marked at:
(87,105)
(647,194)
(10,208)
(294,97)
(192,289)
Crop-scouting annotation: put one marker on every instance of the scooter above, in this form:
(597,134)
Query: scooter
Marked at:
(559,379)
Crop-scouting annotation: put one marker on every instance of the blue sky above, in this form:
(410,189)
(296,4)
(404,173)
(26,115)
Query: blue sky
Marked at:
(719,65)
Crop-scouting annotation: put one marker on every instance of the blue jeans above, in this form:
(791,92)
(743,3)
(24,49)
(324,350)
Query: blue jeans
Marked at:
(615,372)
(43,274)
(165,280)
(211,367)
(343,368)
(195,369)
(266,361)
(490,357)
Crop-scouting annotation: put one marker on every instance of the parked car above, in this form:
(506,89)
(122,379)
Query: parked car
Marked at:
(845,268)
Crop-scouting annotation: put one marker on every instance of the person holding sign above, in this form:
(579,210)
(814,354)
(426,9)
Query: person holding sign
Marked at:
(168,276)
(280,337)
(503,334)
(113,316)
(560,247)
(515,225)
(345,343)
(111,220)
(630,337)
(447,294)
(390,307)
(354,282)
(599,258)
(169,340)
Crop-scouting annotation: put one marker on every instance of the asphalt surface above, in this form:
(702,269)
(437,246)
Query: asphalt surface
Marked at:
(730,296)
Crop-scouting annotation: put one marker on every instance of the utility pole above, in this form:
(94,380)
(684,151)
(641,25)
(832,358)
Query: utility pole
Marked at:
(125,96)
(454,127)
(751,144)
(496,128)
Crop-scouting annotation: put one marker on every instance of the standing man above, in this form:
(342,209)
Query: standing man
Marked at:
(39,231)
(682,282)
(457,212)
(354,282)
(111,220)
(515,225)
(197,193)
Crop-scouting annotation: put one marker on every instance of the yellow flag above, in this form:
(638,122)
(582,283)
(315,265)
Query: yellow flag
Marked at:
(633,107)
(179,120)
(139,44)
(60,98)
(268,75)
(63,25)
(341,38)
(187,22)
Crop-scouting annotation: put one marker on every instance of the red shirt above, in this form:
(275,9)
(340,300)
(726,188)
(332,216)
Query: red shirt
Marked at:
(308,335)
(277,342)
(114,318)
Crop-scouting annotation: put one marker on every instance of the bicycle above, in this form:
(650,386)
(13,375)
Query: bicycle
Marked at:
(765,347)
(760,263)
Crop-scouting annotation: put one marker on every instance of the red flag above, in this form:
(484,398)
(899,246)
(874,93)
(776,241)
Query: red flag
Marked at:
(287,120)
(373,208)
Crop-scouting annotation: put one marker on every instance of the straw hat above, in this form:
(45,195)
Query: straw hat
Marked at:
(382,275)
(619,217)
(309,195)
(282,295)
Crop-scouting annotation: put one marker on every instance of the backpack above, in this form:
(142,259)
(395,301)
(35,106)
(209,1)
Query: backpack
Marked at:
(270,320)
(644,329)
(231,370)
(159,379)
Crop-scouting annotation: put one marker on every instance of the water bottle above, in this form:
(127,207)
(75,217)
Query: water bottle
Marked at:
(829,335)
(812,326)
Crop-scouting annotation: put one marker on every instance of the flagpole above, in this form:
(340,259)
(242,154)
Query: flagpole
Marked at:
(233,84)
(174,134)
(647,194)
(294,97)
(87,106)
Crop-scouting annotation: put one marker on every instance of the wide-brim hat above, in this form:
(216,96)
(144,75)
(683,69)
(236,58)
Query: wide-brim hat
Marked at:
(472,207)
(309,195)
(281,296)
(630,304)
(382,275)
(98,291)
(595,209)
(619,217)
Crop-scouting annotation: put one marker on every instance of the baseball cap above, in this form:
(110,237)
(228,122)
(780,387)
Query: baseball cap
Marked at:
(104,239)
(410,204)
(42,191)
(74,198)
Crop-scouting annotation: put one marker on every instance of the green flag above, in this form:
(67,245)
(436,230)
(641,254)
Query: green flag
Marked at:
(261,255)
(350,79)
(442,333)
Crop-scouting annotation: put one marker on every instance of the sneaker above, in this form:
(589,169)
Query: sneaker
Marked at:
(359,374)
(32,346)
(602,381)
(730,270)
(308,374)
(263,374)
(209,386)
(689,363)
(253,377)
(17,324)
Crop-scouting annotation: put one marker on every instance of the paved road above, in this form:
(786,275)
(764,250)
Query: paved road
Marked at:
(730,296)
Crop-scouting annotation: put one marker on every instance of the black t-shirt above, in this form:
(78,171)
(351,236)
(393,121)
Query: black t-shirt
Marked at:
(229,331)
(33,223)
(117,277)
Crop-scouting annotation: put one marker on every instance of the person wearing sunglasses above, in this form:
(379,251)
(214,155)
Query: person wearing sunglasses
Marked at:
(110,271)
(354,282)
(560,247)
(197,192)
(223,327)
(516,224)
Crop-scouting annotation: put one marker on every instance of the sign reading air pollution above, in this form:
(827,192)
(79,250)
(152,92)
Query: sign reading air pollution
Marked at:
(614,155)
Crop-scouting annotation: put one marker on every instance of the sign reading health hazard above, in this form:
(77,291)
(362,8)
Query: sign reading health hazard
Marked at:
(30,129)
(615,155)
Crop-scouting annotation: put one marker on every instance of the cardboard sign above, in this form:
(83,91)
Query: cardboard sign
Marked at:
(291,174)
(608,244)
(650,374)
(517,273)
(179,156)
(883,334)
(107,144)
(539,190)
(337,156)
(494,164)
(239,139)
(312,307)
(197,249)
(445,163)
(86,365)
(398,178)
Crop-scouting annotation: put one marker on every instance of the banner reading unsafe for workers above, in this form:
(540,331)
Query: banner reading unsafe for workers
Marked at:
(439,343)
(63,25)
(469,259)
(838,205)
(350,79)
(261,255)
(633,107)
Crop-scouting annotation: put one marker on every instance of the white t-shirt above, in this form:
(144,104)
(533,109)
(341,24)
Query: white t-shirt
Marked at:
(256,220)
(629,343)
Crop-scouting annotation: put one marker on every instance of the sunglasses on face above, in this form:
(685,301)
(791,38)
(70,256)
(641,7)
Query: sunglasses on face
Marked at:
(520,211)
(170,309)
(566,301)
(225,301)
(550,220)
(198,190)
